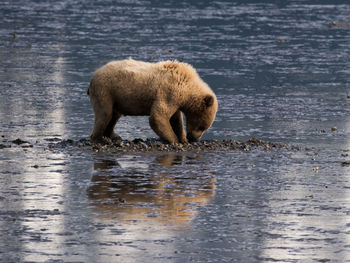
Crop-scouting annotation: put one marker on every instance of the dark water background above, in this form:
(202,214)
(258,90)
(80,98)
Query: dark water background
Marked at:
(281,72)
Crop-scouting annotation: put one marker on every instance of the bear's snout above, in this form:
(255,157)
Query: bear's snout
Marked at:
(191,138)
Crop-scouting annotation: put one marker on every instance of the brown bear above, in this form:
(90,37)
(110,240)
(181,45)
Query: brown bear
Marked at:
(162,91)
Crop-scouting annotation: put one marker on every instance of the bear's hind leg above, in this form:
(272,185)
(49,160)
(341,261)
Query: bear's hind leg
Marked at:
(109,132)
(103,116)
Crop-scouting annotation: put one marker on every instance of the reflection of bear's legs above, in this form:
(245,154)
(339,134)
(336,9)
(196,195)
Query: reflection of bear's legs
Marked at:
(109,132)
(176,122)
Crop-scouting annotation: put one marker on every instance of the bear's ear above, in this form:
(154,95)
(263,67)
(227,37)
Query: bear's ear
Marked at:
(208,101)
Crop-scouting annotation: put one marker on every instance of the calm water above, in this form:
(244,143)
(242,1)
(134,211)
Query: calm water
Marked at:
(281,73)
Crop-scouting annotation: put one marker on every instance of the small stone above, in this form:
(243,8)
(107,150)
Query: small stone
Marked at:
(117,143)
(138,140)
(19,141)
(2,146)
(54,139)
(346,163)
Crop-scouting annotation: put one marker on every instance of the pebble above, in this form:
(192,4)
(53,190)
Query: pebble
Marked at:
(346,163)
(2,146)
(19,141)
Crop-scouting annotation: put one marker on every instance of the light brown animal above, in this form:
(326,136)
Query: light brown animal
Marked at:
(162,91)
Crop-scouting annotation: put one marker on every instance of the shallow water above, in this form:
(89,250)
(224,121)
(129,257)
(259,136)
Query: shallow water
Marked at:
(280,72)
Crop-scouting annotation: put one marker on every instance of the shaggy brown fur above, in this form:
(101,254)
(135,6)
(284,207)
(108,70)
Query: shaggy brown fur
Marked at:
(159,90)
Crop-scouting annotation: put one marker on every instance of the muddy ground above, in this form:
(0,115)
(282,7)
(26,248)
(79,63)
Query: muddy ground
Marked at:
(153,145)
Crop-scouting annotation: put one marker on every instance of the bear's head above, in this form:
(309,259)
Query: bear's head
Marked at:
(200,120)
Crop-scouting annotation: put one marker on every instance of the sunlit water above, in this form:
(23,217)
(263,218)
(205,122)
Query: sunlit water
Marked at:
(281,73)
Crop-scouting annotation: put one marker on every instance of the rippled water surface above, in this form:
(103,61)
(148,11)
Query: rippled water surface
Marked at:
(281,73)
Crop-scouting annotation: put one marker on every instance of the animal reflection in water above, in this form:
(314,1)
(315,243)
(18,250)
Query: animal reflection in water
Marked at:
(139,195)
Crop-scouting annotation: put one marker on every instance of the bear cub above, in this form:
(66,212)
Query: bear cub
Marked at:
(162,91)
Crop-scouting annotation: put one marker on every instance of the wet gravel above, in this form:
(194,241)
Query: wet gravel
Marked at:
(154,145)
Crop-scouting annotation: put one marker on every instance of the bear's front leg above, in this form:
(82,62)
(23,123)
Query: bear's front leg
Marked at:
(177,124)
(162,127)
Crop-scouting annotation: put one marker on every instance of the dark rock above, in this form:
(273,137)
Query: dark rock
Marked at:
(2,146)
(28,146)
(54,139)
(137,140)
(19,141)
(345,163)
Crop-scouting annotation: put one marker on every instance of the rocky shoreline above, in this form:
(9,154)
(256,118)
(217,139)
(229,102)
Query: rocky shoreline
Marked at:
(154,145)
